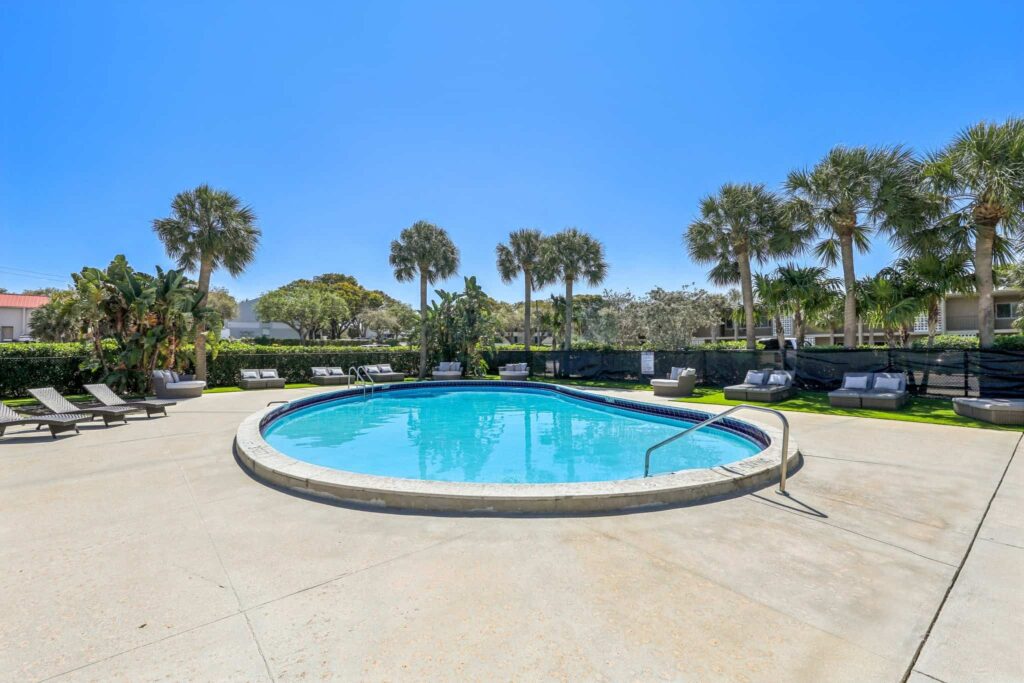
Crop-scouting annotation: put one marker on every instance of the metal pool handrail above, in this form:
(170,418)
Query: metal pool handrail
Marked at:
(364,377)
(716,418)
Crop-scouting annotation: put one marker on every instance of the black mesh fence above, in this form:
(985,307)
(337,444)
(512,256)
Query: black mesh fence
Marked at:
(937,372)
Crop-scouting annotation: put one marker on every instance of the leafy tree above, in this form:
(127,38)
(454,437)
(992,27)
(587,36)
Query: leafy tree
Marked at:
(222,303)
(739,224)
(667,320)
(850,193)
(426,251)
(41,291)
(569,256)
(523,254)
(304,308)
(395,319)
(889,301)
(980,177)
(208,229)
(931,276)
(459,322)
(805,289)
(57,320)
(771,292)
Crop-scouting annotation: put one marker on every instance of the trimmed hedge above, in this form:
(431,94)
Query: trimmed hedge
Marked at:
(294,362)
(42,364)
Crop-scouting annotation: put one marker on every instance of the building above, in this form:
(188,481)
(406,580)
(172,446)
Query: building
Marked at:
(248,325)
(16,313)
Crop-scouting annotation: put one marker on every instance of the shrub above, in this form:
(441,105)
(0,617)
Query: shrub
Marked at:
(294,362)
(726,345)
(1009,342)
(947,341)
(46,364)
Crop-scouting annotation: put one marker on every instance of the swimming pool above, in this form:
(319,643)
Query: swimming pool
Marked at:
(502,447)
(494,434)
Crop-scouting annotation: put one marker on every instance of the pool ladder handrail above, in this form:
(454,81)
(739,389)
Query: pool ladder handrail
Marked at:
(363,376)
(716,418)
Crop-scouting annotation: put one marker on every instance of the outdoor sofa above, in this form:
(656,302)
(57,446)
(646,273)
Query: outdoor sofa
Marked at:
(326,377)
(382,373)
(169,384)
(764,386)
(55,403)
(514,372)
(266,378)
(447,370)
(106,396)
(1000,411)
(877,390)
(679,382)
(67,422)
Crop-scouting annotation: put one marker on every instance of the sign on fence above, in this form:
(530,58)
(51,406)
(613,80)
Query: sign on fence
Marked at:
(647,362)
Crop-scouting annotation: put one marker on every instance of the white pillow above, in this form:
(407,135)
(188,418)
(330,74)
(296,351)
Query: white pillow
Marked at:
(385,367)
(754,377)
(675,373)
(778,379)
(335,371)
(250,374)
(444,366)
(887,383)
(319,372)
(456,366)
(855,382)
(268,374)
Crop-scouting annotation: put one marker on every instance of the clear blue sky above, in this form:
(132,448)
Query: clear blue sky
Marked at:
(341,124)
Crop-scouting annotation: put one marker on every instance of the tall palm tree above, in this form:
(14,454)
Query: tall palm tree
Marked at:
(569,256)
(208,229)
(743,222)
(771,293)
(523,255)
(981,176)
(805,289)
(425,250)
(932,276)
(850,193)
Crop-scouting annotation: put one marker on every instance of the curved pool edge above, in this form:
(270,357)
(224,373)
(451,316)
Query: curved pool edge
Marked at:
(685,486)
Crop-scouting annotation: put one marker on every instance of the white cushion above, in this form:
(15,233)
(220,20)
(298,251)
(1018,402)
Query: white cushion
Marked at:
(675,373)
(754,377)
(250,374)
(386,367)
(778,379)
(444,366)
(455,366)
(268,374)
(335,371)
(191,384)
(319,372)
(887,383)
(855,382)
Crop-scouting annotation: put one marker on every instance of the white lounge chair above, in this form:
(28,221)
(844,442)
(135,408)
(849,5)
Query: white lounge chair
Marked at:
(680,382)
(447,371)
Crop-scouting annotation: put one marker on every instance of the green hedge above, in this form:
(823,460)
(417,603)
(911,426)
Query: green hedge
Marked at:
(294,362)
(41,364)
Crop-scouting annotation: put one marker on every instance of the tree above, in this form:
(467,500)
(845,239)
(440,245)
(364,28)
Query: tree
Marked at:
(395,319)
(458,322)
(222,303)
(304,308)
(850,193)
(668,319)
(569,256)
(931,276)
(58,319)
(41,291)
(523,254)
(742,223)
(771,292)
(208,229)
(980,176)
(424,250)
(890,302)
(805,289)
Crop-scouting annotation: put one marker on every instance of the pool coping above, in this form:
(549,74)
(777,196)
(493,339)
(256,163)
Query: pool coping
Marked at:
(684,486)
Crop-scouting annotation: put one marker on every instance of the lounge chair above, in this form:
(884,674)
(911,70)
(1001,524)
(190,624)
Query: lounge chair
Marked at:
(449,371)
(778,387)
(754,379)
(382,373)
(1000,411)
(67,422)
(514,372)
(169,384)
(329,376)
(888,391)
(106,396)
(59,405)
(849,395)
(260,379)
(680,382)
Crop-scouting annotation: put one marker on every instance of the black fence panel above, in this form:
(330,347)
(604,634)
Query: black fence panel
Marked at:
(997,373)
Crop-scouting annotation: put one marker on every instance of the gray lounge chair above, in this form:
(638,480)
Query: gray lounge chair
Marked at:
(888,391)
(754,379)
(514,372)
(169,384)
(261,379)
(680,382)
(59,405)
(852,391)
(106,396)
(382,373)
(329,376)
(447,371)
(1000,411)
(778,387)
(57,423)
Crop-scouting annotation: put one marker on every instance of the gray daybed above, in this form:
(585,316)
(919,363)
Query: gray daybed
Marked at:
(55,403)
(1000,411)
(67,422)
(680,382)
(266,378)
(514,372)
(169,384)
(446,370)
(326,377)
(382,373)
(106,396)
(877,390)
(765,386)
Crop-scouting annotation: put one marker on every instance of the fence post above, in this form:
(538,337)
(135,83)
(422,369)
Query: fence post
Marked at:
(967,377)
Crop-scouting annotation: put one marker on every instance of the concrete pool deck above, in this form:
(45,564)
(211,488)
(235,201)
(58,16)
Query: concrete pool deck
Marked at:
(145,552)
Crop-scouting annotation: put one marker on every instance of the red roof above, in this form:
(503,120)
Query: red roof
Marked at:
(22,301)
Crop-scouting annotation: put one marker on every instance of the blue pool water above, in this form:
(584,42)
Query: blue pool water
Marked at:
(497,434)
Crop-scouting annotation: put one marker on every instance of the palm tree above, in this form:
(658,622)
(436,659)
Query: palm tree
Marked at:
(980,174)
(426,250)
(523,255)
(932,276)
(572,255)
(805,289)
(771,293)
(208,229)
(890,302)
(851,192)
(740,223)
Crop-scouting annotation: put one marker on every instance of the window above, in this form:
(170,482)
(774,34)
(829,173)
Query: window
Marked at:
(6,334)
(1007,310)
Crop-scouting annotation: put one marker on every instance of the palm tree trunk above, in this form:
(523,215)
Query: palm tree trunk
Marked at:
(527,330)
(780,332)
(983,244)
(850,282)
(205,270)
(423,324)
(798,323)
(747,289)
(568,314)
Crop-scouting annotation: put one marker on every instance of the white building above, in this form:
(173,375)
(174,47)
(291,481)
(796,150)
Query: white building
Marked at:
(15,314)
(248,325)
